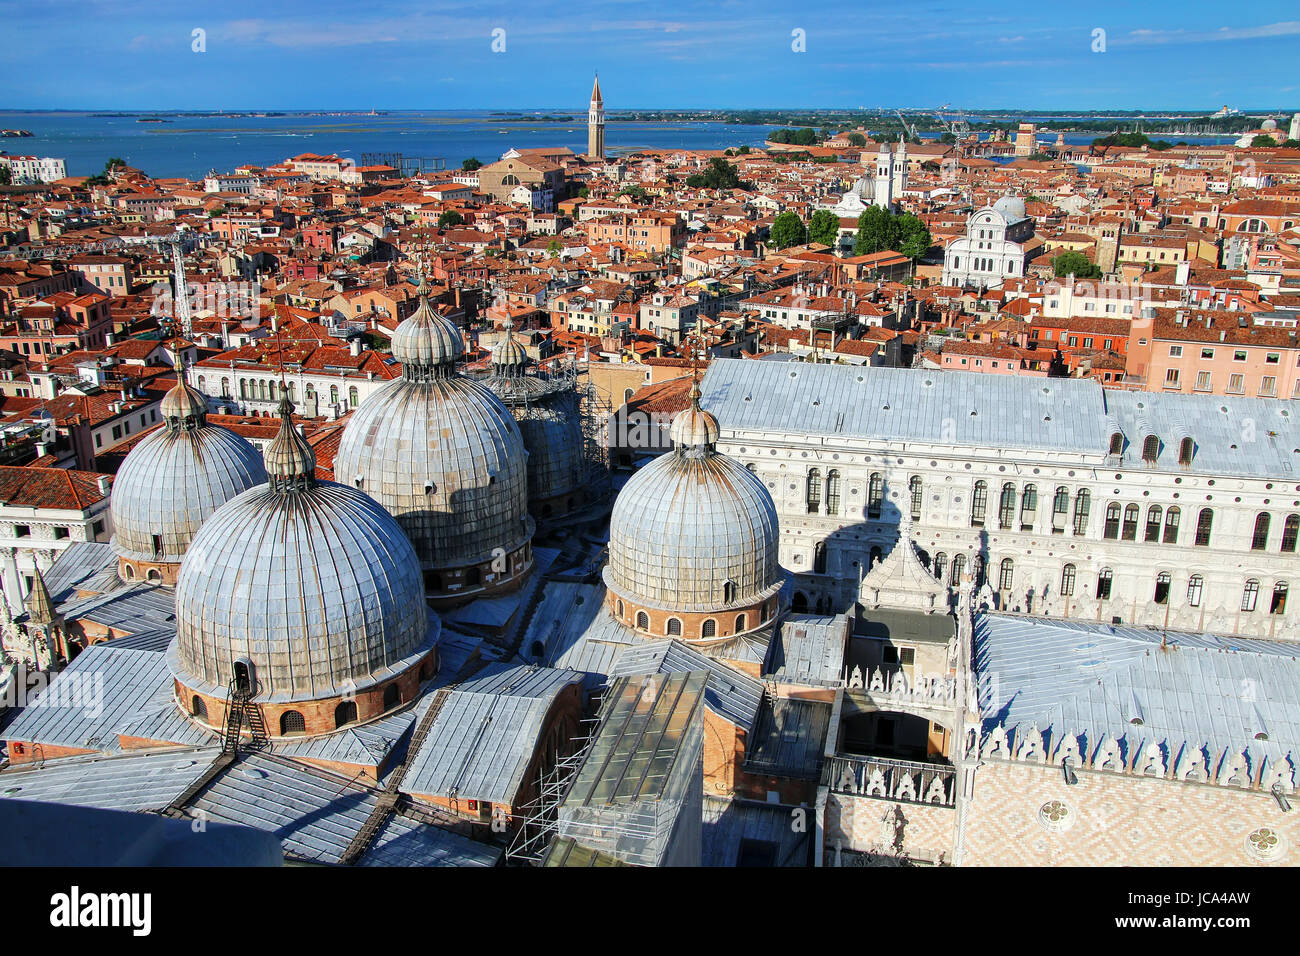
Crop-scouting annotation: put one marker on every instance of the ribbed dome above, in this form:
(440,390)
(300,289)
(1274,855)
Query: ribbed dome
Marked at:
(175,479)
(446,458)
(183,403)
(694,530)
(554,441)
(312,581)
(426,339)
(694,427)
(509,355)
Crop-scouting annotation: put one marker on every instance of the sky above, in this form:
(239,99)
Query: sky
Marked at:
(687,54)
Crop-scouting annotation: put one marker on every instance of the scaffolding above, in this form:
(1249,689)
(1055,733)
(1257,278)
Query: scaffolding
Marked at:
(541,814)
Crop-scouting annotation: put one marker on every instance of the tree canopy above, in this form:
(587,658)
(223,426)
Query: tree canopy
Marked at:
(1072,262)
(470,165)
(880,230)
(797,137)
(788,230)
(857,139)
(450,218)
(824,227)
(719,174)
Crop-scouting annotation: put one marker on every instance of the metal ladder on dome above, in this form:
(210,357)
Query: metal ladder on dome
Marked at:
(240,709)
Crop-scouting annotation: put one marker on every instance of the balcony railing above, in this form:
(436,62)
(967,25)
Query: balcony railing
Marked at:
(910,781)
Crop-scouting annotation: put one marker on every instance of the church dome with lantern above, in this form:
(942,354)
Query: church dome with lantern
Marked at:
(308,591)
(445,457)
(172,482)
(693,541)
(562,481)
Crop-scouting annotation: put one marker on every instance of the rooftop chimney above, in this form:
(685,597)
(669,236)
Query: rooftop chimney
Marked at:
(104,485)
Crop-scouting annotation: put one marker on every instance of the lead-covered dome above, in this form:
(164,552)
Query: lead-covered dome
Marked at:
(313,590)
(1011,207)
(693,539)
(172,482)
(444,456)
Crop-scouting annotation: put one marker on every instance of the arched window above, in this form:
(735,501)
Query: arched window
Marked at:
(345,713)
(620,609)
(813,493)
(1204,525)
(1250,595)
(709,628)
(353,396)
(198,708)
(1104,578)
(153,575)
(874,557)
(1151,449)
(833,492)
(1171,525)
(1006,574)
(1259,540)
(1028,507)
(1111,531)
(674,628)
(977,570)
(914,489)
(819,558)
(740,623)
(1152,533)
(764,613)
(1131,513)
(1060,509)
(130,573)
(392,696)
(334,394)
(474,577)
(1186,448)
(1279,598)
(728,591)
(292,722)
(1290,533)
(979,504)
(202,384)
(958,568)
(940,565)
(243,388)
(225,388)
(1162,588)
(1082,507)
(1007,506)
(1117,443)
(875,494)
(1067,580)
(1195,585)
(642,620)
(800,603)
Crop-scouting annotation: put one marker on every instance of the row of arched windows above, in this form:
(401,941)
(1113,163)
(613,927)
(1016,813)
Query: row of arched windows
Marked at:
(268,390)
(814,488)
(708,628)
(293,722)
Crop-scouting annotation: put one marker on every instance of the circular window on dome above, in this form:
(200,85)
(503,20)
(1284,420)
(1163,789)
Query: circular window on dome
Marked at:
(1055,816)
(1264,843)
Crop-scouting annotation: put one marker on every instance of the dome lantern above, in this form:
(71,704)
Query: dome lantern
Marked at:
(426,343)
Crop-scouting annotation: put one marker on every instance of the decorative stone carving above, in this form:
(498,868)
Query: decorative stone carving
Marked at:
(1109,756)
(1031,745)
(1278,772)
(1234,771)
(995,745)
(1068,749)
(1192,765)
(1151,762)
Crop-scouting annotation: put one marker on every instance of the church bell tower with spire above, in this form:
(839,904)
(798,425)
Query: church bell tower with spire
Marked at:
(596,123)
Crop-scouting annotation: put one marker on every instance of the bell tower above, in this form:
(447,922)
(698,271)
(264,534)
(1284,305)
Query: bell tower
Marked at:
(596,123)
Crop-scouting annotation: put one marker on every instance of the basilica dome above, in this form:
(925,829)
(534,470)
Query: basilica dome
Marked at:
(444,456)
(1011,207)
(561,480)
(693,541)
(308,589)
(172,482)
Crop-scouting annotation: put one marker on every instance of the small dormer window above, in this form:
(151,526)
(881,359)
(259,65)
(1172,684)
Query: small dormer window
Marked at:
(1116,443)
(1185,449)
(1151,449)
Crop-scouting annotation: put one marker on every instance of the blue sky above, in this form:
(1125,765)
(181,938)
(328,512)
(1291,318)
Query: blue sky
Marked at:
(401,54)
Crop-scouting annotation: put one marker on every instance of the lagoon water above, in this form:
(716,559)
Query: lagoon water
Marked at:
(190,146)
